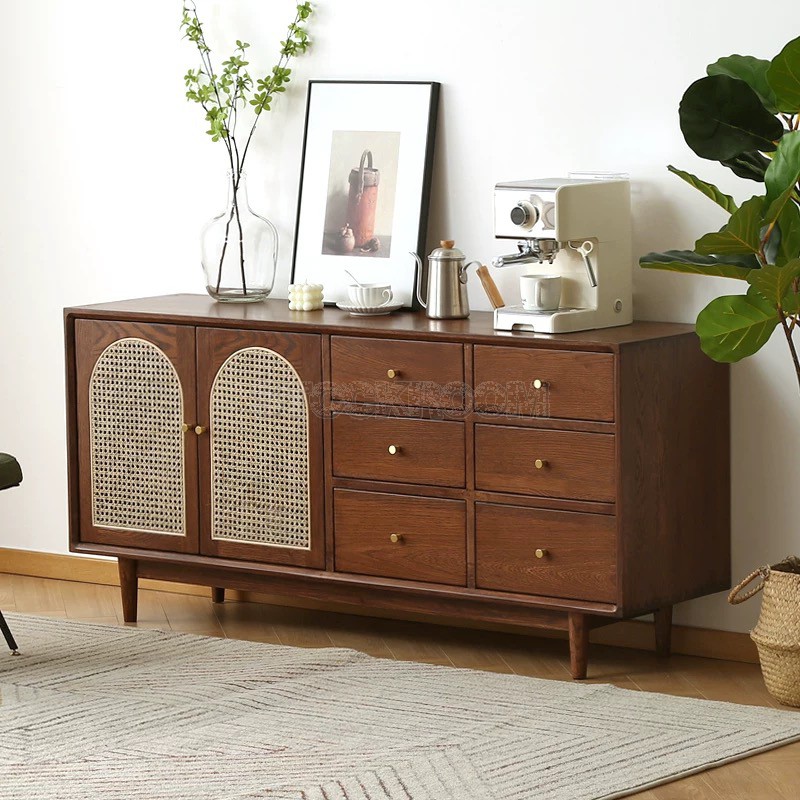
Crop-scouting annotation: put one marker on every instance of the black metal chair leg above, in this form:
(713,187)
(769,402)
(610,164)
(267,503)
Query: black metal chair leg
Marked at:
(12,645)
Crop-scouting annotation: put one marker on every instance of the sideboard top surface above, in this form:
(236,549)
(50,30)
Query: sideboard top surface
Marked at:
(275,315)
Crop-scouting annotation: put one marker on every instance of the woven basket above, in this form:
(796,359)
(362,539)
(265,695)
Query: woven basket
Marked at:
(777,633)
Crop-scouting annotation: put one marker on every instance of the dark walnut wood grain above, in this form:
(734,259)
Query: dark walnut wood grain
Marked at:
(579,552)
(396,536)
(578,645)
(129,588)
(428,452)
(574,385)
(178,345)
(674,473)
(200,309)
(563,464)
(632,505)
(426,374)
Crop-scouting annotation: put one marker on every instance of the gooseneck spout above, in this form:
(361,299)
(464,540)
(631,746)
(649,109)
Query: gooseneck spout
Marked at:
(419,279)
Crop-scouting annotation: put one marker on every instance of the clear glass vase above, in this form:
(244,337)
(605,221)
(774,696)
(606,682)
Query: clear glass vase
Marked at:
(239,250)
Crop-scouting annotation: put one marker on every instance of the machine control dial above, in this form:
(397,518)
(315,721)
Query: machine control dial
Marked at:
(524,215)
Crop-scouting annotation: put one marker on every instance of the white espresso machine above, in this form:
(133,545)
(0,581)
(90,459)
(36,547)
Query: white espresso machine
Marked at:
(580,229)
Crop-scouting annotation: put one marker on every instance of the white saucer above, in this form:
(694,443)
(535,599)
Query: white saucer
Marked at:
(368,311)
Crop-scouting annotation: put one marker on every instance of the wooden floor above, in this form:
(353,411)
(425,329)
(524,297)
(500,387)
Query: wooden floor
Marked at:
(769,776)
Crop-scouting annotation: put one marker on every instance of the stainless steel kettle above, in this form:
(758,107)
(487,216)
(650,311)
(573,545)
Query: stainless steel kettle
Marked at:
(447,282)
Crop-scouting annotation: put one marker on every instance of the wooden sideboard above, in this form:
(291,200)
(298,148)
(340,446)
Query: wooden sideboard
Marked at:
(438,467)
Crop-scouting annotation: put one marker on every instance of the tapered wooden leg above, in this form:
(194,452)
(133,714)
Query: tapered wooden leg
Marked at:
(578,645)
(663,620)
(217,594)
(129,587)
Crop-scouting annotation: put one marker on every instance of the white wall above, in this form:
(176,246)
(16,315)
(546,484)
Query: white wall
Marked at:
(106,177)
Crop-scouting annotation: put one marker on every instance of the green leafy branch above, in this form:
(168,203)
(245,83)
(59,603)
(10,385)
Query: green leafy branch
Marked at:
(224,95)
(746,114)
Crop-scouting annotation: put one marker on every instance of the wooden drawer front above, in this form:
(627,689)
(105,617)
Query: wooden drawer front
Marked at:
(431,534)
(579,560)
(426,451)
(427,374)
(575,385)
(566,464)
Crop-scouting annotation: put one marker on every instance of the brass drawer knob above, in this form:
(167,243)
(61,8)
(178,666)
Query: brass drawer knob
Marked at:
(540,463)
(540,552)
(396,538)
(393,449)
(185,427)
(537,384)
(200,430)
(392,373)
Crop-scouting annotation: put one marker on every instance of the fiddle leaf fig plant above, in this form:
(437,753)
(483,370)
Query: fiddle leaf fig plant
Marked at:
(745,113)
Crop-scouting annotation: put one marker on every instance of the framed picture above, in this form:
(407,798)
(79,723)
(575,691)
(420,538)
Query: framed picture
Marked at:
(365,185)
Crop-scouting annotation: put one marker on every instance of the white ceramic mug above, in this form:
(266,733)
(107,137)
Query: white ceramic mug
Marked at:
(369,295)
(540,292)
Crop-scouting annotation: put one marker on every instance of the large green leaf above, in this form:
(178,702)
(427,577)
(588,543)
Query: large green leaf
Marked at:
(750,165)
(772,283)
(782,174)
(753,71)
(722,117)
(735,326)
(708,189)
(789,226)
(784,77)
(693,263)
(740,235)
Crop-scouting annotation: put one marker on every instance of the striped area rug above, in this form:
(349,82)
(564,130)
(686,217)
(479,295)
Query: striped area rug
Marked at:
(123,714)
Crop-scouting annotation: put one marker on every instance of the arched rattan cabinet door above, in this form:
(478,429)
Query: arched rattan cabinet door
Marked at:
(137,466)
(260,457)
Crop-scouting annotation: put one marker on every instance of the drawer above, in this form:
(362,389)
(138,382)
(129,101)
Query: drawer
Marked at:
(404,450)
(579,552)
(544,383)
(566,464)
(399,373)
(397,536)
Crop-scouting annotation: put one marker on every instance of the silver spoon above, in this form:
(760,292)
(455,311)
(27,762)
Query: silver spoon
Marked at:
(354,278)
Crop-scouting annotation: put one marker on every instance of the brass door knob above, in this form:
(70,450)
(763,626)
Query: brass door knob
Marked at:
(537,384)
(395,538)
(185,427)
(540,552)
(540,463)
(392,373)
(393,449)
(200,429)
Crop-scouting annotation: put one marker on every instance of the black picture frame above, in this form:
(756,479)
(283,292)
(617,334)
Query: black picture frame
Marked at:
(326,266)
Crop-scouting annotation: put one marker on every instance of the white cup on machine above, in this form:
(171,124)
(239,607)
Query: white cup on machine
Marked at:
(540,292)
(370,295)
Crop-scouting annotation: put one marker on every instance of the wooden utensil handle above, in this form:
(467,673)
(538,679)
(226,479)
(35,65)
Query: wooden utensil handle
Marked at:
(490,287)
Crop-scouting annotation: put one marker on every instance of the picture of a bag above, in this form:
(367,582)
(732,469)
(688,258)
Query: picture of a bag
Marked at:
(363,199)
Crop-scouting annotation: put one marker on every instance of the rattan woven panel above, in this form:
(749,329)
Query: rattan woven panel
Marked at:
(259,451)
(137,446)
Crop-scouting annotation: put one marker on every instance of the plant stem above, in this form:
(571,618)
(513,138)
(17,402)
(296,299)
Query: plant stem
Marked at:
(790,341)
(284,60)
(224,247)
(204,50)
(241,248)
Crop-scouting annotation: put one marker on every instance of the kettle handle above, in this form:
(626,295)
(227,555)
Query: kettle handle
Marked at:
(419,279)
(462,271)
(365,156)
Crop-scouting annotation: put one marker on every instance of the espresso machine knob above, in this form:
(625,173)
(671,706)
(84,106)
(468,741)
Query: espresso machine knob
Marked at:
(524,215)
